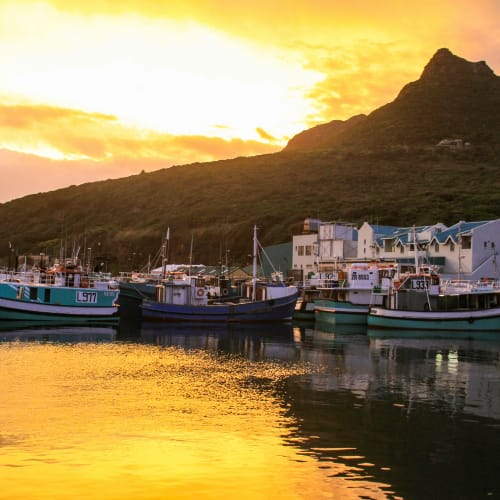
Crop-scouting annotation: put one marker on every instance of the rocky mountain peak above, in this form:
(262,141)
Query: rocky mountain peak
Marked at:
(453,98)
(446,66)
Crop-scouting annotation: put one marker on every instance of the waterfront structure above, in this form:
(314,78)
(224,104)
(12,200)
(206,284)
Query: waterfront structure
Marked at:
(321,246)
(465,250)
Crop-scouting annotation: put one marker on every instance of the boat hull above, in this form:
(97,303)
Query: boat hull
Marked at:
(474,320)
(136,291)
(55,304)
(304,311)
(336,312)
(279,309)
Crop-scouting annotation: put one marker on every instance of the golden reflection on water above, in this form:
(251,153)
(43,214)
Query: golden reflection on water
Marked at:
(119,421)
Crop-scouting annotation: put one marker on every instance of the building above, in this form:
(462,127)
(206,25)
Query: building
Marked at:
(304,255)
(321,246)
(466,250)
(337,241)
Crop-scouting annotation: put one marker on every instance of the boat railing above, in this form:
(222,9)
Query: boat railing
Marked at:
(469,286)
(320,283)
(139,277)
(37,277)
(18,276)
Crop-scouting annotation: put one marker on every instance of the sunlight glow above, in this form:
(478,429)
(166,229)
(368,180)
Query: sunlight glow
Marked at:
(131,85)
(173,77)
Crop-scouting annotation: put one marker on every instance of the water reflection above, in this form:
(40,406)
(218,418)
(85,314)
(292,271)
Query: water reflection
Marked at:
(30,331)
(248,410)
(253,341)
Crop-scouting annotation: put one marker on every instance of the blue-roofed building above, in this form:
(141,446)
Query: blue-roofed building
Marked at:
(466,250)
(470,249)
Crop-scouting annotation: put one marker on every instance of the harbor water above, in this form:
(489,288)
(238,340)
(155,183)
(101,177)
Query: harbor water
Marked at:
(148,411)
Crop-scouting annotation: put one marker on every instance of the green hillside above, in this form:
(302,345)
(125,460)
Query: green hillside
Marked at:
(364,178)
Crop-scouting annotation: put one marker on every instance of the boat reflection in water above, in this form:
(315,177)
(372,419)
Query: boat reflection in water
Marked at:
(381,333)
(254,341)
(250,411)
(399,410)
(31,331)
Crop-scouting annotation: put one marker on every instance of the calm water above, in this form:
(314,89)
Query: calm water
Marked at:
(149,412)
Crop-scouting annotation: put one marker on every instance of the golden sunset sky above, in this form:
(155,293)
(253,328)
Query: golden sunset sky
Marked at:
(98,89)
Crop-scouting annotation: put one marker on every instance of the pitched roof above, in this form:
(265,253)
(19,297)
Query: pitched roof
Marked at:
(400,234)
(460,228)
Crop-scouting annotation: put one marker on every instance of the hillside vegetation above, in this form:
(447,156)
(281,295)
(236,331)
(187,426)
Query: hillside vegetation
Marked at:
(363,177)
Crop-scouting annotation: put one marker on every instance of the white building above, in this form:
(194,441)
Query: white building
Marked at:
(466,250)
(321,246)
(336,242)
(305,254)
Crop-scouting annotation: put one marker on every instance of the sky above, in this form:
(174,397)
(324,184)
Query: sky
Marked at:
(101,89)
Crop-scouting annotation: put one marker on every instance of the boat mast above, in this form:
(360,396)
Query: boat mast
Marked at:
(164,254)
(254,267)
(191,254)
(415,246)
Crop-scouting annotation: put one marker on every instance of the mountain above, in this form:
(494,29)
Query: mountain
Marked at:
(453,98)
(322,136)
(383,168)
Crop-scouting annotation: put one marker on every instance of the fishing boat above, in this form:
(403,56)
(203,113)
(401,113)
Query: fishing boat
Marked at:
(423,303)
(186,298)
(347,296)
(62,293)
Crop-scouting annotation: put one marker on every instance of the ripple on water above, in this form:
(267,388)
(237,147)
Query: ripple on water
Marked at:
(137,421)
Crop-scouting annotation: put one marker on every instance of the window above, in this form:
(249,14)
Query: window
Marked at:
(33,293)
(308,250)
(389,245)
(452,247)
(436,247)
(466,242)
(46,297)
(300,251)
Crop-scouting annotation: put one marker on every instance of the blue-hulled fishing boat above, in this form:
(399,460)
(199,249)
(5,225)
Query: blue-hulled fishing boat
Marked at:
(186,298)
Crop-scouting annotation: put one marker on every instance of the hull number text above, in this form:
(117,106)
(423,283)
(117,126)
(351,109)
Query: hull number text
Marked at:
(87,297)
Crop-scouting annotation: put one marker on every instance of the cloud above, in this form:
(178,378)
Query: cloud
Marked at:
(265,135)
(75,134)
(245,77)
(86,147)
(360,77)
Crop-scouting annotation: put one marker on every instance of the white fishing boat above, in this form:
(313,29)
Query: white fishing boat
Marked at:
(423,302)
(349,294)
